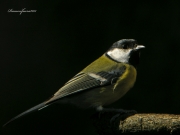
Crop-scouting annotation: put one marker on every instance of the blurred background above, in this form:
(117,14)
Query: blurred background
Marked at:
(40,51)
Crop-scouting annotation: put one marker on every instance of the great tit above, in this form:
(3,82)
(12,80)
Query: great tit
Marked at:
(102,82)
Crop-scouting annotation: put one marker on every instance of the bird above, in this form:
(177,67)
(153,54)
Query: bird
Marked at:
(102,82)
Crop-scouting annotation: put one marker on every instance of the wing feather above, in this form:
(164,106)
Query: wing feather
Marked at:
(85,81)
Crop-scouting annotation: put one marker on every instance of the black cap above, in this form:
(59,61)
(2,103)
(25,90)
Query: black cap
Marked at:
(124,44)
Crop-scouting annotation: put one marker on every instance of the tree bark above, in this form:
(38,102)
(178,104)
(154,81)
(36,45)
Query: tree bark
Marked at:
(136,124)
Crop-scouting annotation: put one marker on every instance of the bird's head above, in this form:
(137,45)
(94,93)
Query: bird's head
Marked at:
(125,51)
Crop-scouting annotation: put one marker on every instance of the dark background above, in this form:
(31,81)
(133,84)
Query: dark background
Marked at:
(40,51)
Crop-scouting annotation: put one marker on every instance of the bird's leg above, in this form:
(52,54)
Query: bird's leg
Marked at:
(115,113)
(113,110)
(117,110)
(107,119)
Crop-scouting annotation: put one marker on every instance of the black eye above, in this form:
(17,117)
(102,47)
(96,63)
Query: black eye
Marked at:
(124,46)
(135,45)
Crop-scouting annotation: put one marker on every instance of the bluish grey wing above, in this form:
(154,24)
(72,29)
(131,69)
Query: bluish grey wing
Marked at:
(85,81)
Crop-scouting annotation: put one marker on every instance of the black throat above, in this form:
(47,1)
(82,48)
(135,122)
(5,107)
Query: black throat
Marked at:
(134,59)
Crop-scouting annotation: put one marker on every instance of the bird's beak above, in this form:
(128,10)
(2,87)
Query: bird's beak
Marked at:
(139,47)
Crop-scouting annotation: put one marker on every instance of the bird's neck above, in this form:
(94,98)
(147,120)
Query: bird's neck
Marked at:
(119,55)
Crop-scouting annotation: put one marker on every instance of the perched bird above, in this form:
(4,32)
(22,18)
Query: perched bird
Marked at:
(102,82)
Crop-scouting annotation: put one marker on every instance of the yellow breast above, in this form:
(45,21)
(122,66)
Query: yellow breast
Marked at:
(113,93)
(126,81)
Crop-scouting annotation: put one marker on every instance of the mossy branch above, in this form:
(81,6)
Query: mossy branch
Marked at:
(138,124)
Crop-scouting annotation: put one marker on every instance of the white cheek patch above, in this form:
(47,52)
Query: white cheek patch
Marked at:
(120,55)
(116,53)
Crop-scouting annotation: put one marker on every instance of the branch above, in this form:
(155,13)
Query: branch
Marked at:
(149,124)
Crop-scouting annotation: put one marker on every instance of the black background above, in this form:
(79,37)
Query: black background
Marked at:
(40,51)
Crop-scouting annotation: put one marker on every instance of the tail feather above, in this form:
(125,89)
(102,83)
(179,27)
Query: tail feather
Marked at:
(35,108)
